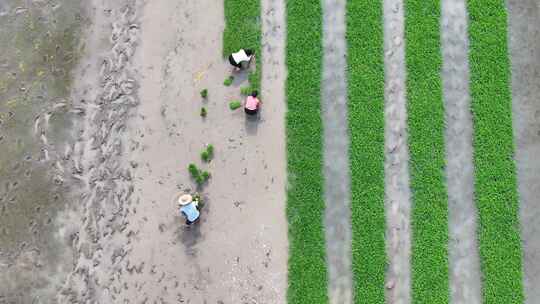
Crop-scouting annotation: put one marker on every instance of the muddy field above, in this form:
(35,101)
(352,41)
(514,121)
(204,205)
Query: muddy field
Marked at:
(39,46)
(99,120)
(100,117)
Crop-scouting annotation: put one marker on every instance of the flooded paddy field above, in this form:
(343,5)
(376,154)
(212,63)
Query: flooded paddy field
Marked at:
(39,48)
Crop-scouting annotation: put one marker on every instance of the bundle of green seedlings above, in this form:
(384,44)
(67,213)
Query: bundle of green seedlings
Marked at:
(208,154)
(198,175)
(204,93)
(235,104)
(228,81)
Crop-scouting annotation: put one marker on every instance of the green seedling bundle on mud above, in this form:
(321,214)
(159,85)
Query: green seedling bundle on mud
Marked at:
(366,124)
(208,153)
(235,104)
(204,112)
(495,173)
(204,93)
(228,81)
(305,205)
(198,175)
(429,214)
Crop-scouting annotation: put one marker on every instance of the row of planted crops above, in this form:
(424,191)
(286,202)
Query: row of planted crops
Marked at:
(495,178)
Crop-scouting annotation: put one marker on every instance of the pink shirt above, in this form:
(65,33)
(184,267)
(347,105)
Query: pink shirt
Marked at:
(252,103)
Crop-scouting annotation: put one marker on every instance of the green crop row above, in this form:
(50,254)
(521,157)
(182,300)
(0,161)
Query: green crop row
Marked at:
(429,262)
(366,123)
(305,205)
(495,176)
(243,31)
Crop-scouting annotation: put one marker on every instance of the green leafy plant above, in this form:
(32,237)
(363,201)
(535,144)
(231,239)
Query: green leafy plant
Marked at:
(204,93)
(210,150)
(203,112)
(366,126)
(205,156)
(208,153)
(193,170)
(228,81)
(198,175)
(235,104)
(495,172)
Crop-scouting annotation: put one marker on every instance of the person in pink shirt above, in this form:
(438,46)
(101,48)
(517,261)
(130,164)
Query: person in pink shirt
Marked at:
(252,104)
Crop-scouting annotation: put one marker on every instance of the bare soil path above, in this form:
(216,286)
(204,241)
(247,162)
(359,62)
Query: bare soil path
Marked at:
(398,196)
(524,44)
(464,262)
(336,156)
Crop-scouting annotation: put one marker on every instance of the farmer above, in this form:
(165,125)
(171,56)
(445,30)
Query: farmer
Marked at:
(189,208)
(241,57)
(252,104)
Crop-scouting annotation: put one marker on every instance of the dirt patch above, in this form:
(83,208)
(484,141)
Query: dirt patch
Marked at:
(336,157)
(524,44)
(464,262)
(398,201)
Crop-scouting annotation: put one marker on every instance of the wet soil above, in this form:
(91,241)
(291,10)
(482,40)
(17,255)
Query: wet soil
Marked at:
(137,87)
(397,192)
(336,158)
(39,48)
(464,261)
(524,45)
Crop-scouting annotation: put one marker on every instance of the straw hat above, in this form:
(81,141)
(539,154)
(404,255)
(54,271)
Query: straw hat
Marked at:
(185,199)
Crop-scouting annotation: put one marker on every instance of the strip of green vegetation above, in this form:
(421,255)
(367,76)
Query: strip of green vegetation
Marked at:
(495,184)
(305,205)
(366,122)
(429,260)
(243,31)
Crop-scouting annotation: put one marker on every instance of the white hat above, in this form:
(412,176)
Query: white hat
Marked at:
(184,199)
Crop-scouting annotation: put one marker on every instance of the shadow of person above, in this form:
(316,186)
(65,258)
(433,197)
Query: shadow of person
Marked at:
(240,77)
(252,123)
(190,235)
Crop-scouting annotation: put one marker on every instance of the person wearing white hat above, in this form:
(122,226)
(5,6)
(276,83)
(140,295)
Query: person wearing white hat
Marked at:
(189,208)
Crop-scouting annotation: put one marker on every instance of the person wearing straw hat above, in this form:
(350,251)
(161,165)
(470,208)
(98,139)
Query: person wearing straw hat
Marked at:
(189,208)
